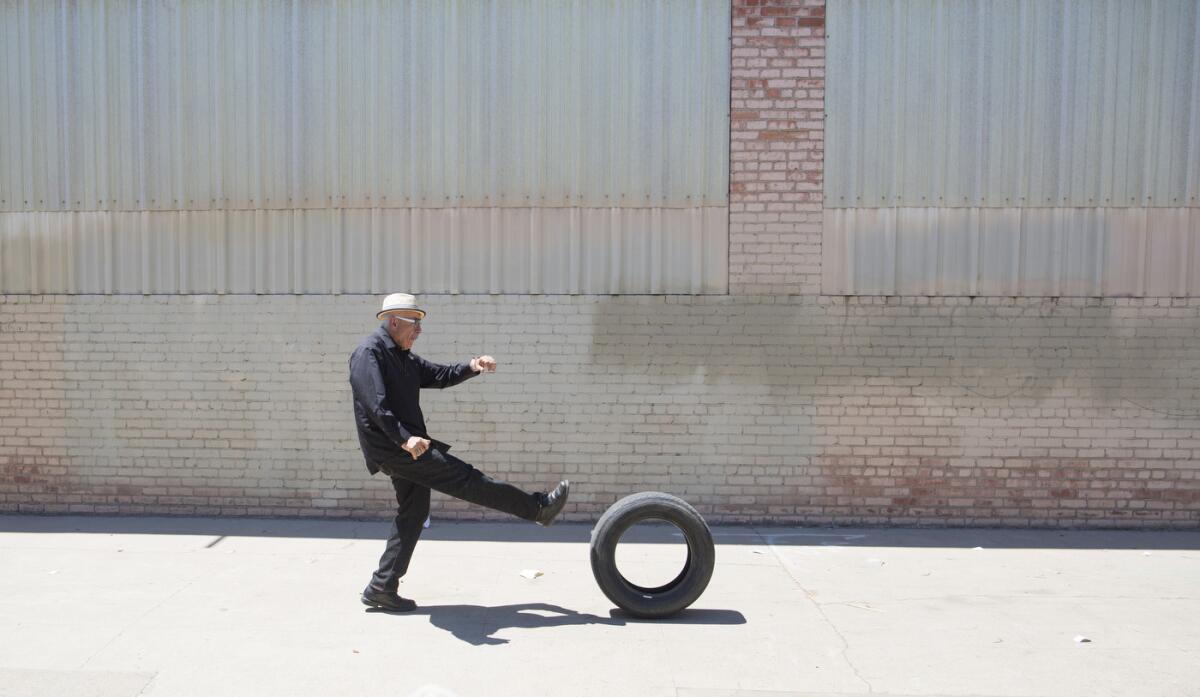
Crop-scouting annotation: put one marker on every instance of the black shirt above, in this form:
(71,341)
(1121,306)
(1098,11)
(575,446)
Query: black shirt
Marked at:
(387,381)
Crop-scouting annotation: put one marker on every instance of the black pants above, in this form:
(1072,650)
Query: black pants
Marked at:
(438,470)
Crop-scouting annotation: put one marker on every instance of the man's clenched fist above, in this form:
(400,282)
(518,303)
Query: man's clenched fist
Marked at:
(483,364)
(416,446)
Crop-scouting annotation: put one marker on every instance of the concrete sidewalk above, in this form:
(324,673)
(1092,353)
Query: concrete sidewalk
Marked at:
(115,607)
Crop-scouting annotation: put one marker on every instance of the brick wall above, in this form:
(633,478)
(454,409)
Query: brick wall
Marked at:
(777,124)
(767,408)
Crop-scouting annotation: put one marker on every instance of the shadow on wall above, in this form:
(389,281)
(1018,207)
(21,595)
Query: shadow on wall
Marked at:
(992,348)
(879,399)
(1137,354)
(998,350)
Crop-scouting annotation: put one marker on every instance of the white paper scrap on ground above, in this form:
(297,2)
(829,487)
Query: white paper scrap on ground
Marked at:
(531,573)
(1081,639)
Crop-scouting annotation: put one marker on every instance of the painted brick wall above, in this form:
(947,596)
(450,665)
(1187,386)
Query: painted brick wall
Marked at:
(771,408)
(777,124)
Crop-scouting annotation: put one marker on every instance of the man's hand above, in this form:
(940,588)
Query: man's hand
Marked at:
(483,364)
(416,446)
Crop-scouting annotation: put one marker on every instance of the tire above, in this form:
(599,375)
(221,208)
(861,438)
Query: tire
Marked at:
(668,599)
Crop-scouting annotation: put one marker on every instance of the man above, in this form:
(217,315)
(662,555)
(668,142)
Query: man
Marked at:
(386,378)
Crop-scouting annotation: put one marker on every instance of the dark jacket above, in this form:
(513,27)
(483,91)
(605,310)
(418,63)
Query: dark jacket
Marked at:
(386,381)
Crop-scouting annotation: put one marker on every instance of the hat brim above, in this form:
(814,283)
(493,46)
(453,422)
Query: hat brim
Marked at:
(401,312)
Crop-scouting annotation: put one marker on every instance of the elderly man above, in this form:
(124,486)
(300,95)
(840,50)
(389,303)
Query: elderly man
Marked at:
(386,378)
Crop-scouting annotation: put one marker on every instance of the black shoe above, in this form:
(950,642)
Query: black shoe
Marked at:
(387,601)
(552,504)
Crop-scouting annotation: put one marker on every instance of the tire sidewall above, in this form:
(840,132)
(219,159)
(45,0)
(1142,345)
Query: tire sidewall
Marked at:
(673,596)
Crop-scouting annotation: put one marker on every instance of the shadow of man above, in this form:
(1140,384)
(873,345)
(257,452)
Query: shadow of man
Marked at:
(476,624)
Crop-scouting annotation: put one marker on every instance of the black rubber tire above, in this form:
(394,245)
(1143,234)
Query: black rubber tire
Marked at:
(668,599)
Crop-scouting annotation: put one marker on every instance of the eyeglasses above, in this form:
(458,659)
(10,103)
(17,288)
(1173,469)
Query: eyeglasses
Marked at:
(410,320)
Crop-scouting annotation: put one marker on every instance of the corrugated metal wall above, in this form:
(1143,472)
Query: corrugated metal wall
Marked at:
(1071,107)
(1012,251)
(618,106)
(360,250)
(1013,103)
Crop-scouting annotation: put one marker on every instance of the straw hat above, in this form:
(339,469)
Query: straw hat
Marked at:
(401,304)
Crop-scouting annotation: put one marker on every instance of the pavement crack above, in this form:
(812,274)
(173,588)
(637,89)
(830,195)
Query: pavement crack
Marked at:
(139,618)
(844,653)
(146,686)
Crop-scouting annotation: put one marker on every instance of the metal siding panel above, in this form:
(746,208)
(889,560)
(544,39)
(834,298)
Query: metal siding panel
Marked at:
(714,247)
(1012,251)
(835,279)
(158,106)
(1192,280)
(868,251)
(1191,152)
(1121,270)
(627,242)
(594,256)
(126,265)
(1166,244)
(515,251)
(955,111)
(24,182)
(1076,252)
(1140,120)
(890,183)
(674,238)
(353,262)
(1031,104)
(616,262)
(13,269)
(472,276)
(159,253)
(955,248)
(264,117)
(10,114)
(1181,261)
(915,247)
(1167,119)
(1077,125)
(86,254)
(243,251)
(847,264)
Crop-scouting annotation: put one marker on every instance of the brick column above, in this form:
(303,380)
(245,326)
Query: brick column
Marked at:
(777,141)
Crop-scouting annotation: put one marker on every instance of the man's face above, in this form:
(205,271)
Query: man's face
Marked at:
(404,330)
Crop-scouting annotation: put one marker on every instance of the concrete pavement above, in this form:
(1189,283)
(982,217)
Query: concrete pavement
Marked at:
(116,607)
